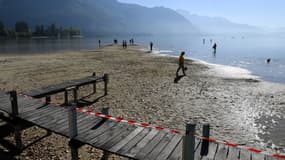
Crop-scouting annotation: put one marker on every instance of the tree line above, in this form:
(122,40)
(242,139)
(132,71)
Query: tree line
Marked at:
(22,29)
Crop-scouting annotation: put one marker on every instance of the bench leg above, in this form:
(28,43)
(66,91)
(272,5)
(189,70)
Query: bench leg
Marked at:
(65,97)
(105,155)
(48,99)
(18,137)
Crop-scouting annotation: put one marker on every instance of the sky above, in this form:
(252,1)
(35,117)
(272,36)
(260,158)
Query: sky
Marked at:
(263,13)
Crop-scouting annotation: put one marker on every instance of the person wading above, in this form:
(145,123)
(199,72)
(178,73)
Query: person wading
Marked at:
(181,64)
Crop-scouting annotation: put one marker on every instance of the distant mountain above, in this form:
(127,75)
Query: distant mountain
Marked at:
(96,16)
(218,25)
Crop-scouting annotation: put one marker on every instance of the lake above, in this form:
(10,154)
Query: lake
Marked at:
(248,52)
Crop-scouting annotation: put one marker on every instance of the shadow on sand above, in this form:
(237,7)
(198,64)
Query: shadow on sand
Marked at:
(178,78)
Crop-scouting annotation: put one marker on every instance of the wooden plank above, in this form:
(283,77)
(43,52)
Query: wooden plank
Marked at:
(113,131)
(96,130)
(213,148)
(34,113)
(124,141)
(115,139)
(198,147)
(63,126)
(222,152)
(142,143)
(123,129)
(49,111)
(150,146)
(134,141)
(34,106)
(270,158)
(177,153)
(159,147)
(233,153)
(87,123)
(169,148)
(27,104)
(257,156)
(244,155)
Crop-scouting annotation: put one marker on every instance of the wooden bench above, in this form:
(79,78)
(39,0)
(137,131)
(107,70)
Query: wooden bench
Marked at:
(67,86)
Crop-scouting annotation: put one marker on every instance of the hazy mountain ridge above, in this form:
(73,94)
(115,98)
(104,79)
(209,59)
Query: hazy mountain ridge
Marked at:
(219,25)
(96,16)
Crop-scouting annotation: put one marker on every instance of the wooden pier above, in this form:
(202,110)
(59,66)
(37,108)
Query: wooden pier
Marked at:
(131,141)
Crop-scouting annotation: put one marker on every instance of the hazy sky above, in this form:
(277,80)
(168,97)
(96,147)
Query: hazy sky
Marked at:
(266,13)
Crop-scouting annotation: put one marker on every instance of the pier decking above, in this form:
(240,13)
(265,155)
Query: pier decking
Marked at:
(130,141)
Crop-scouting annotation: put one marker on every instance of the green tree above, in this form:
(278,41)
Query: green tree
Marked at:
(22,27)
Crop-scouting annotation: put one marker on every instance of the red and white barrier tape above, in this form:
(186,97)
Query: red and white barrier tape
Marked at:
(131,122)
(254,150)
(146,125)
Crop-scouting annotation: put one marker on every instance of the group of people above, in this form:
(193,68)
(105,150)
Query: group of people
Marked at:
(125,44)
(132,41)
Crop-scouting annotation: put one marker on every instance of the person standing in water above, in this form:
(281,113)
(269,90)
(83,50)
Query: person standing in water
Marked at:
(151,46)
(215,47)
(181,64)
(99,43)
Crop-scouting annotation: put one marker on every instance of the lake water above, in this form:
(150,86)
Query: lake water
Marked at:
(244,52)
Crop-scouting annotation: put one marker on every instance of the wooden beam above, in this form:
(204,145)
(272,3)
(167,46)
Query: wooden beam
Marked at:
(188,152)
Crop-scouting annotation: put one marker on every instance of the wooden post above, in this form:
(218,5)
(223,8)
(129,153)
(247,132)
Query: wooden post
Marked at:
(74,150)
(105,111)
(205,143)
(188,152)
(106,79)
(48,99)
(15,112)
(14,103)
(66,97)
(94,84)
(72,117)
(75,94)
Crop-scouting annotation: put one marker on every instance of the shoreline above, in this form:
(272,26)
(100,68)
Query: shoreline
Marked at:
(141,88)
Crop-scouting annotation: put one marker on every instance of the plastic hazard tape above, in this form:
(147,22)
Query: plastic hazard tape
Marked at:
(130,122)
(254,150)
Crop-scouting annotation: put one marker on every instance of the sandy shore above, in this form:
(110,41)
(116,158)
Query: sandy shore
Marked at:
(240,110)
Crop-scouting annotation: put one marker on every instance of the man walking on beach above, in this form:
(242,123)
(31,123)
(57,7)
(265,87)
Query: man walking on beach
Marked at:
(181,64)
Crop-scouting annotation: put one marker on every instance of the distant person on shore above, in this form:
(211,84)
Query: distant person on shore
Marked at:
(132,41)
(268,60)
(215,47)
(125,45)
(99,42)
(115,41)
(151,46)
(204,41)
(181,64)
